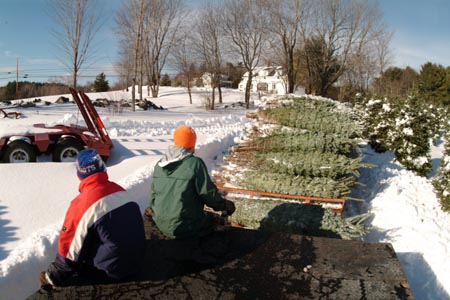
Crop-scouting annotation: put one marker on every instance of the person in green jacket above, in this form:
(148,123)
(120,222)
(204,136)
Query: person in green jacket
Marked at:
(180,189)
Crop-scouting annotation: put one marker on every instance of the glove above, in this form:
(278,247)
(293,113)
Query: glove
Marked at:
(45,282)
(229,207)
(223,193)
(148,212)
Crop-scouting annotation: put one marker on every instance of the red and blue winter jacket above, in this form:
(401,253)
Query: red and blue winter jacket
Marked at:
(103,229)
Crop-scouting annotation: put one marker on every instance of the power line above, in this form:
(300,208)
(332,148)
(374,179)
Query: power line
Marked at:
(62,69)
(48,72)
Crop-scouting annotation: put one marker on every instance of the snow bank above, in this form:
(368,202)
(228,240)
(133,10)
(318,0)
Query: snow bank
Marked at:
(406,213)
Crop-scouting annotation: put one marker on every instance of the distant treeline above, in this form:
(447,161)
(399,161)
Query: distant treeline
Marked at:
(26,89)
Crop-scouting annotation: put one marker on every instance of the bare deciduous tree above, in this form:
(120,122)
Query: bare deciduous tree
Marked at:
(130,21)
(383,52)
(288,17)
(162,22)
(77,22)
(124,65)
(367,61)
(246,24)
(346,29)
(208,44)
(183,59)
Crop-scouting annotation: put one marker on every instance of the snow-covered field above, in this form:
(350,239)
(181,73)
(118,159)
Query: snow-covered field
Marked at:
(34,196)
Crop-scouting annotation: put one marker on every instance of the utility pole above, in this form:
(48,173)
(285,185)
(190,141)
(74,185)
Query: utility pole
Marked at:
(17,79)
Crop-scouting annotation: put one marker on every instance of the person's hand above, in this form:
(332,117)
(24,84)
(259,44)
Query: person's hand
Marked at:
(44,282)
(229,207)
(223,193)
(148,212)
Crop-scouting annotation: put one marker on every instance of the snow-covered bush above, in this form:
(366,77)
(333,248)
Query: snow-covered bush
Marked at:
(377,115)
(404,127)
(441,182)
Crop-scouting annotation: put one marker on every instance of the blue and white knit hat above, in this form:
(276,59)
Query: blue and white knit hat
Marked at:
(89,162)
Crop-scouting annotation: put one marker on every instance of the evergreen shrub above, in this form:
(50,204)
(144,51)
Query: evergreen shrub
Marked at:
(405,127)
(441,182)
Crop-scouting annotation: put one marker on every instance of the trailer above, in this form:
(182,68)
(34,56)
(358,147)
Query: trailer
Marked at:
(336,204)
(251,264)
(61,141)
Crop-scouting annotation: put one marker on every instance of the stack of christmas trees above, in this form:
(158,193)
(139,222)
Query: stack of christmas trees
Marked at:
(301,146)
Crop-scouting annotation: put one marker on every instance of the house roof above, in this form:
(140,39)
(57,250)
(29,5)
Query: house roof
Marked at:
(266,71)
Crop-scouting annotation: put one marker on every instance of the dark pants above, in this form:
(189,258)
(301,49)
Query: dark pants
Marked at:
(64,272)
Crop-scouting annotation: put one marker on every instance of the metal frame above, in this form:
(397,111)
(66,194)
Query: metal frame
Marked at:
(306,199)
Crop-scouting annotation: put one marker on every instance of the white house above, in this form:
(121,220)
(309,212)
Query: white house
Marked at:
(207,80)
(266,79)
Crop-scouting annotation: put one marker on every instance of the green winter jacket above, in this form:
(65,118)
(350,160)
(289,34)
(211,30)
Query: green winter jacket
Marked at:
(181,187)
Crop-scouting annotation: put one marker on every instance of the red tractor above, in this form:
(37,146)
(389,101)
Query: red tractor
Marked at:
(61,141)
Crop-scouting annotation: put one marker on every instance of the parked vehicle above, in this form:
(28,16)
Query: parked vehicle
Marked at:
(61,141)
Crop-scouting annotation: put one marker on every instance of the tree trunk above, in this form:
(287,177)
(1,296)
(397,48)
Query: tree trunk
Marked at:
(290,71)
(133,94)
(308,88)
(155,81)
(247,89)
(75,72)
(74,81)
(213,98)
(141,77)
(189,90)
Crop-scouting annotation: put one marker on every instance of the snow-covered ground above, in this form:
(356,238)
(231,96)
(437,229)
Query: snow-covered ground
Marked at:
(34,196)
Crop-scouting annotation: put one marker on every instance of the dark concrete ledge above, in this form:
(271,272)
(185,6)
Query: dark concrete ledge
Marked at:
(250,264)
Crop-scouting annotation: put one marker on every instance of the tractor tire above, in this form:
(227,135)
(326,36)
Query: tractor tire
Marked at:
(67,150)
(19,151)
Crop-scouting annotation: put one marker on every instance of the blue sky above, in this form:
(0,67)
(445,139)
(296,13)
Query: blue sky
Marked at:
(25,35)
(421,34)
(421,31)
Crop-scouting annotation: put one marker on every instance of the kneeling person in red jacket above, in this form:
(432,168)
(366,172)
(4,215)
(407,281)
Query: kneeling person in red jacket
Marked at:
(103,232)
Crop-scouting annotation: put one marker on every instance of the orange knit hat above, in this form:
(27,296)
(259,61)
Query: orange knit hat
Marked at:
(185,136)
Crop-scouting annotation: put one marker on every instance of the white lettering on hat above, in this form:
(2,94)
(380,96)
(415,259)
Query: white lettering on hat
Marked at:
(87,169)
